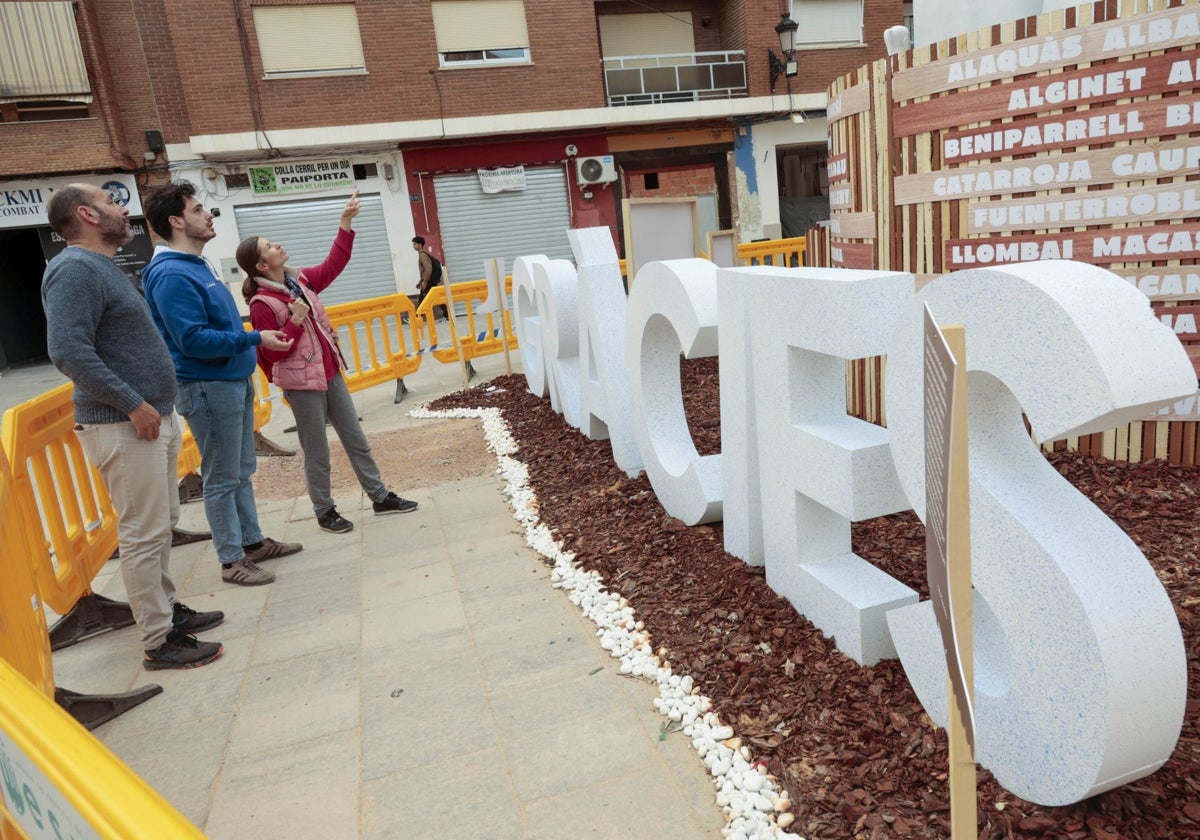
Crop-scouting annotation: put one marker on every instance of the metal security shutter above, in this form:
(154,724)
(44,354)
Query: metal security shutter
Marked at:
(307,229)
(477,226)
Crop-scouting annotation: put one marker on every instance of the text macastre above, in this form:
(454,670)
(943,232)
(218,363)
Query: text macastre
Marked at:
(1080,675)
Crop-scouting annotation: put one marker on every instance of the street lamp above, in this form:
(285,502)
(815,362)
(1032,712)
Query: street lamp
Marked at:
(786,66)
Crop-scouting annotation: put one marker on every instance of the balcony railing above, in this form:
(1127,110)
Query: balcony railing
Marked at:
(678,77)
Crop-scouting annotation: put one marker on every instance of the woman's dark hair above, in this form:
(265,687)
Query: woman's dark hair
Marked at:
(247,259)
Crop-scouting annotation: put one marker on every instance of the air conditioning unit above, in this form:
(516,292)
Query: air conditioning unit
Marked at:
(595,170)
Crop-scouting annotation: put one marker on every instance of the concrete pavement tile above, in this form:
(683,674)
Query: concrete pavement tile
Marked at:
(424,617)
(496,603)
(309,789)
(566,753)
(462,797)
(337,586)
(640,804)
(459,503)
(103,664)
(419,532)
(303,626)
(178,757)
(433,716)
(572,693)
(296,700)
(490,530)
(219,682)
(514,651)
(680,760)
(416,658)
(393,585)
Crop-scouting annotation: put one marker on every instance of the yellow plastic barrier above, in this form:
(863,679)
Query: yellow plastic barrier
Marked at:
(371,335)
(482,336)
(24,641)
(57,780)
(60,497)
(780,252)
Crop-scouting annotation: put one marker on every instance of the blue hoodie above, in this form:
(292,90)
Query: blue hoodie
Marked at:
(197,318)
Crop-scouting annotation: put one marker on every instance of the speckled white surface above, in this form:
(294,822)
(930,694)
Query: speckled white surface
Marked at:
(820,469)
(1080,670)
(743,526)
(557,289)
(672,305)
(527,323)
(603,382)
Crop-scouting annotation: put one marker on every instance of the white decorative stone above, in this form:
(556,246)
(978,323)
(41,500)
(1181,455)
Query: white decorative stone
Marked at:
(1080,674)
(818,468)
(672,305)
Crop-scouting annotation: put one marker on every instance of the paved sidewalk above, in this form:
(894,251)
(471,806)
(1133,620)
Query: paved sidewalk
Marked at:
(416,678)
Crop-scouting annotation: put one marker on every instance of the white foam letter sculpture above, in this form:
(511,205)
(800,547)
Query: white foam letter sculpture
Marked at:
(672,304)
(819,468)
(527,322)
(1080,675)
(603,385)
(555,283)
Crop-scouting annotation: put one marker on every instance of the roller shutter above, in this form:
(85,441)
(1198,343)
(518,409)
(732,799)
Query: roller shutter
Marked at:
(307,229)
(477,226)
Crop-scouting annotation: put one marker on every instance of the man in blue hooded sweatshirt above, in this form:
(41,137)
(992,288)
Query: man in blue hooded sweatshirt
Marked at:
(214,366)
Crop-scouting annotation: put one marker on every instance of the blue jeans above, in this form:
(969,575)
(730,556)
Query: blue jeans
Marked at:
(221,416)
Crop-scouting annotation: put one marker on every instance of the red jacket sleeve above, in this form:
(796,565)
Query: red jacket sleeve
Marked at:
(263,318)
(320,276)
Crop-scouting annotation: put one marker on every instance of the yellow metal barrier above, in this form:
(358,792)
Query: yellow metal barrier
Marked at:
(24,641)
(780,252)
(57,780)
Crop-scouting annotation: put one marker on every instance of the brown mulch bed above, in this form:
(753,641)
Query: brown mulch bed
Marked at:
(852,745)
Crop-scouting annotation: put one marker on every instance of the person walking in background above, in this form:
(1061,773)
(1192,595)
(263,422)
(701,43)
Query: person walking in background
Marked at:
(214,364)
(99,333)
(310,372)
(431,273)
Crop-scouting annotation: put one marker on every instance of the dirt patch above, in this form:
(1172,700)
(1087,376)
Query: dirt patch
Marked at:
(429,454)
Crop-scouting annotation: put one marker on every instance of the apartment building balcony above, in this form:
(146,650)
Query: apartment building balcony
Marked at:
(674,77)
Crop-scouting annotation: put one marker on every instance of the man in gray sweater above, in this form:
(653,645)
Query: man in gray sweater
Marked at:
(100,334)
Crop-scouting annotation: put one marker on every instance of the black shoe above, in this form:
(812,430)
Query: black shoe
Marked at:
(393,504)
(181,651)
(333,521)
(187,620)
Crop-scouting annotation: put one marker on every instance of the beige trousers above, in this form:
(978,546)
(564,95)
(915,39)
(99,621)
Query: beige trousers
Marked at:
(140,476)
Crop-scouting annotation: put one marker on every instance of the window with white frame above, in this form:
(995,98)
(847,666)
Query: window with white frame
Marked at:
(828,23)
(41,58)
(474,32)
(309,40)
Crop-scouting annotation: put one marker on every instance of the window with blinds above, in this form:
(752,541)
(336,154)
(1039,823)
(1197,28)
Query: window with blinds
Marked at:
(828,23)
(480,32)
(313,40)
(40,54)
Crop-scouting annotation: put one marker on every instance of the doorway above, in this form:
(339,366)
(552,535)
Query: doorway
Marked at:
(22,321)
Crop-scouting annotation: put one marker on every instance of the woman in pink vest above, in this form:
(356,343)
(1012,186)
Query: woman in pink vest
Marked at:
(310,371)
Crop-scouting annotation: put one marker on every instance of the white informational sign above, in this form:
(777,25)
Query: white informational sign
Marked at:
(23,203)
(940,397)
(504,179)
(38,807)
(285,178)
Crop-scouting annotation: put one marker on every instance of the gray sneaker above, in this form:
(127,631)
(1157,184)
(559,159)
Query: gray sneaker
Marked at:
(245,573)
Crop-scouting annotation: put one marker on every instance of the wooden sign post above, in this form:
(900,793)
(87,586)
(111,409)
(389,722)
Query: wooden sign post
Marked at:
(497,302)
(452,321)
(948,553)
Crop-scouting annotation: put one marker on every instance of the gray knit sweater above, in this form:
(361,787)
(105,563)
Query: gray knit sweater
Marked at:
(100,334)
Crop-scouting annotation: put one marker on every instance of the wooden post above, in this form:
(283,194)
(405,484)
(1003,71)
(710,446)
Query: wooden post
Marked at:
(963,817)
(452,321)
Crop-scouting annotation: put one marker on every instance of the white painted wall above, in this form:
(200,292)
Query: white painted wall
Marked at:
(759,217)
(936,20)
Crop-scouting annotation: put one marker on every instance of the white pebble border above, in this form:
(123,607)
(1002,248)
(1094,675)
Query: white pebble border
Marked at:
(755,807)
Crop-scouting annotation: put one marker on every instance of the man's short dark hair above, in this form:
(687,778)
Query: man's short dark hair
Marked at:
(163,201)
(420,240)
(60,209)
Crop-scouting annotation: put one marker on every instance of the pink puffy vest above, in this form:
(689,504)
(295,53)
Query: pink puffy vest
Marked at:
(304,368)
